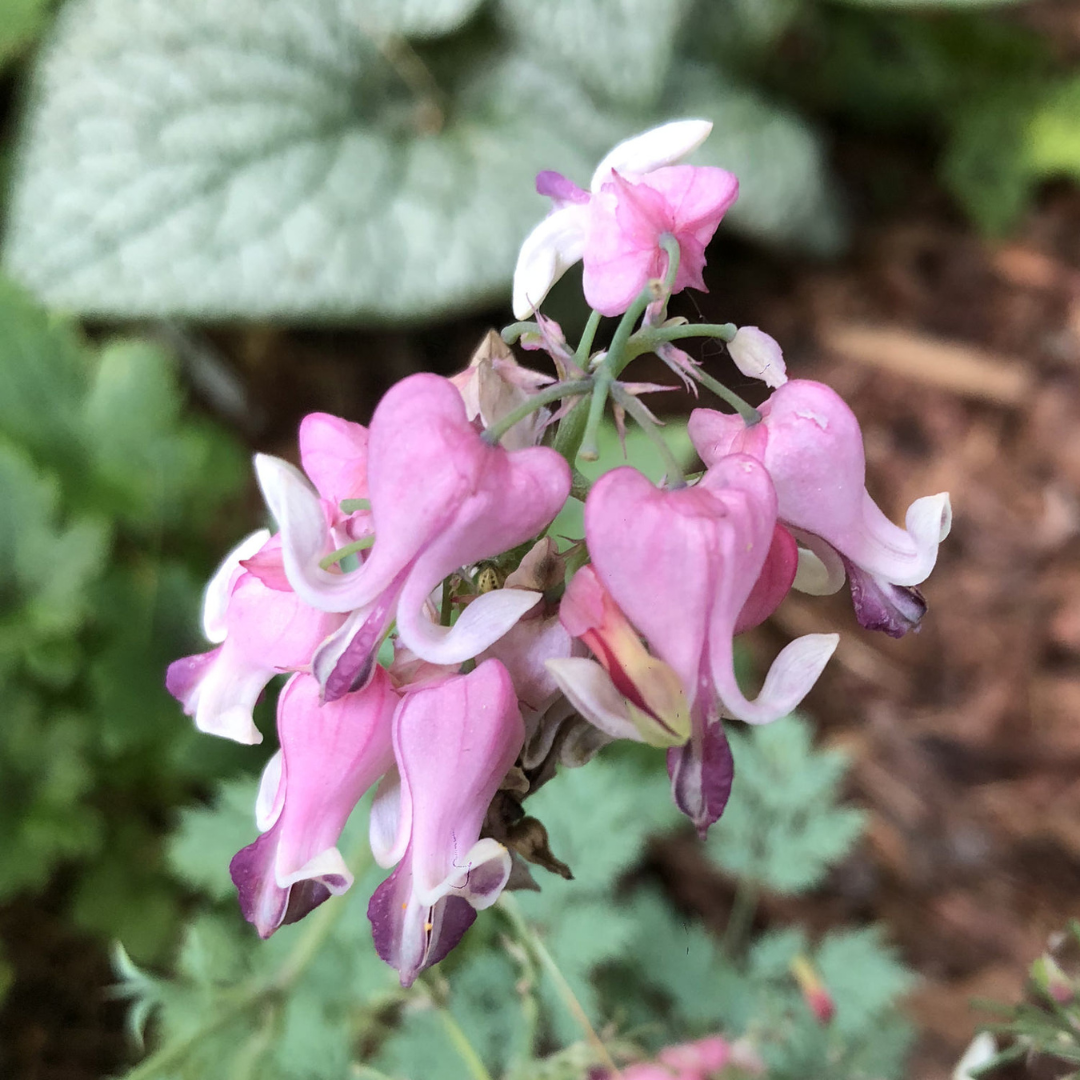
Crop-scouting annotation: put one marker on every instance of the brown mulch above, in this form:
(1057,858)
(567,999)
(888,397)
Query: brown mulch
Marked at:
(962,360)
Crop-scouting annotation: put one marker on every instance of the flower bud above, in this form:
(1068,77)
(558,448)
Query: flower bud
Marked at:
(814,992)
(758,356)
(1052,981)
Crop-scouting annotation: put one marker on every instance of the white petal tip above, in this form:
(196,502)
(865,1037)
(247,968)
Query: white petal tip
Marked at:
(813,577)
(982,1050)
(328,867)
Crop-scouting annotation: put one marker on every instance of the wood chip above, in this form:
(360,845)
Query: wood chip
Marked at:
(946,365)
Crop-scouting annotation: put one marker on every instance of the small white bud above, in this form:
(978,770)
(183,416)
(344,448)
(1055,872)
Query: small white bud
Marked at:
(757,355)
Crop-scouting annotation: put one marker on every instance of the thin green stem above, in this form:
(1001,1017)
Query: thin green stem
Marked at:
(466,1050)
(590,441)
(343,553)
(747,411)
(723,331)
(581,355)
(579,485)
(530,1007)
(741,918)
(674,253)
(512,334)
(531,941)
(536,401)
(615,360)
(641,417)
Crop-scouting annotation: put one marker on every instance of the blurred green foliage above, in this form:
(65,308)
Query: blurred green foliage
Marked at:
(984,91)
(108,491)
(782,830)
(314,1001)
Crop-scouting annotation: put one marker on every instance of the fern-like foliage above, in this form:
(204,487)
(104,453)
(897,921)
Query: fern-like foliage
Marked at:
(783,827)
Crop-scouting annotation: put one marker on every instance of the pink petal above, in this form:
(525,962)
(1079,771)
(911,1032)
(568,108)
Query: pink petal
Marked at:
(220,586)
(331,755)
(590,690)
(334,455)
(773,583)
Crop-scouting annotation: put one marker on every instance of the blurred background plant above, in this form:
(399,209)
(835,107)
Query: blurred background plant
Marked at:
(370,163)
(550,983)
(111,501)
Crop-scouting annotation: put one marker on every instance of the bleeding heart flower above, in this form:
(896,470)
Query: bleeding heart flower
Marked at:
(810,443)
(636,196)
(454,743)
(441,498)
(330,755)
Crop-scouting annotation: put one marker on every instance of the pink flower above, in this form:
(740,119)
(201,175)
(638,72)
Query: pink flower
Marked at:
(633,199)
(811,445)
(682,566)
(263,632)
(330,755)
(626,221)
(441,498)
(454,743)
(334,454)
(629,694)
(705,1059)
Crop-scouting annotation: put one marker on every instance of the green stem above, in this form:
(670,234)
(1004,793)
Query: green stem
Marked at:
(638,412)
(590,441)
(570,432)
(647,339)
(723,331)
(674,253)
(741,918)
(579,485)
(617,357)
(446,611)
(530,1007)
(512,334)
(343,553)
(536,401)
(581,355)
(747,411)
(466,1050)
(531,941)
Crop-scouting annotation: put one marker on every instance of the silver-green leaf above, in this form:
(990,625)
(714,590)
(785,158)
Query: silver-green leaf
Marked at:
(265,158)
(621,49)
(411,18)
(785,194)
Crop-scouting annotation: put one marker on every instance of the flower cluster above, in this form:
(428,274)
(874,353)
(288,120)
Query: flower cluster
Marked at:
(442,644)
